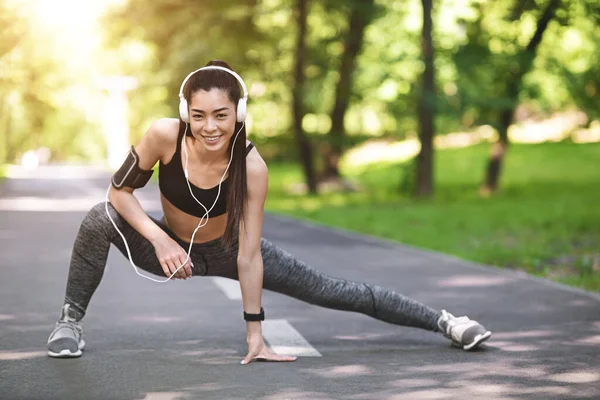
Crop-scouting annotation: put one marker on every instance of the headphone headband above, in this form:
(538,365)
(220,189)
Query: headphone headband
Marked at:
(234,74)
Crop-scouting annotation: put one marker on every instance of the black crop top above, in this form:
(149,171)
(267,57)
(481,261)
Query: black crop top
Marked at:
(173,186)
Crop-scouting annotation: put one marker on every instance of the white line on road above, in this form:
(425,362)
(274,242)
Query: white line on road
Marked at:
(284,339)
(281,336)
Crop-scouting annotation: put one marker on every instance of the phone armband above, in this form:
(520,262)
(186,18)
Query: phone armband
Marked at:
(130,174)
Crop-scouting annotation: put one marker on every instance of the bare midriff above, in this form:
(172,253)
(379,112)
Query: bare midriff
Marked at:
(183,224)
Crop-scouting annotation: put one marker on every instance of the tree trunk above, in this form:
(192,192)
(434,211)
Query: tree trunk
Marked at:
(499,149)
(497,152)
(424,160)
(304,146)
(360,16)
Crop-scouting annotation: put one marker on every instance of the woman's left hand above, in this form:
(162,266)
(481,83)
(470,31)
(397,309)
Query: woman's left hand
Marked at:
(257,351)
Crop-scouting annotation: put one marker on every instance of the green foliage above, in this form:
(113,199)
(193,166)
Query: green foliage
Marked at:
(575,61)
(384,94)
(408,178)
(476,49)
(544,221)
(13,27)
(181,39)
(41,103)
(496,33)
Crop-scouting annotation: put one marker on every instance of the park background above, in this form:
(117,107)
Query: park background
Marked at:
(470,127)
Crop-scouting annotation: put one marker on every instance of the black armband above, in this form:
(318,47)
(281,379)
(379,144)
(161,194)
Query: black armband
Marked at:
(255,317)
(130,174)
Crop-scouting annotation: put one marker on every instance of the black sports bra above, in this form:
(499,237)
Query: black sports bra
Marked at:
(173,186)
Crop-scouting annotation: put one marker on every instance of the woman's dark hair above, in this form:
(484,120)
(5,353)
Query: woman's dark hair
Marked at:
(237,188)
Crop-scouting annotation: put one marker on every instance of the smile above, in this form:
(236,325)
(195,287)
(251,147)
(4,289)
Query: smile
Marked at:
(212,139)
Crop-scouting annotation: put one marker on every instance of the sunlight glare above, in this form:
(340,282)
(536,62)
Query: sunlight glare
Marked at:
(70,27)
(69,14)
(72,33)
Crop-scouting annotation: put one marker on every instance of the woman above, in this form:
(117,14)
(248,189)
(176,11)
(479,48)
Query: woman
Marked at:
(210,176)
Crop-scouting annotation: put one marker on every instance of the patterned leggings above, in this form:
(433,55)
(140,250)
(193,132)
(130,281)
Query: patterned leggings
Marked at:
(283,273)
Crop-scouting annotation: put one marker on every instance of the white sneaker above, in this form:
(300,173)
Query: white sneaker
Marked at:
(66,340)
(463,332)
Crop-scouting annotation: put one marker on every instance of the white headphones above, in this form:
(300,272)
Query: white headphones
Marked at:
(241,106)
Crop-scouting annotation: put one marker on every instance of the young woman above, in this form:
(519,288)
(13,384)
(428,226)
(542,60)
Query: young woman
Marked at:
(210,176)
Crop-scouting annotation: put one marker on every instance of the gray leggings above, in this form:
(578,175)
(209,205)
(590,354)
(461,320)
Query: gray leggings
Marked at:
(283,273)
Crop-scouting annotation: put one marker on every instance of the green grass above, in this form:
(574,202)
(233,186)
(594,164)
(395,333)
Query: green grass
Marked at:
(545,220)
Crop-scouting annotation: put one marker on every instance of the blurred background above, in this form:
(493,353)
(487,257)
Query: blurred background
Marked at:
(470,127)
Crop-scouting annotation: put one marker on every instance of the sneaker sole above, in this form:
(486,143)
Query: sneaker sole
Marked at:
(478,340)
(66,353)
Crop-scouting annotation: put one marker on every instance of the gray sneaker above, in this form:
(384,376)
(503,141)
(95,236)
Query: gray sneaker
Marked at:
(463,332)
(66,340)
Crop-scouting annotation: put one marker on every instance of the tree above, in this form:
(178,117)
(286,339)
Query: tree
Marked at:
(13,28)
(580,69)
(302,141)
(361,14)
(424,160)
(182,38)
(522,65)
(12,35)
(31,81)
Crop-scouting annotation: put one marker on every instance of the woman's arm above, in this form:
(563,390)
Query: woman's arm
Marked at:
(149,151)
(160,136)
(250,263)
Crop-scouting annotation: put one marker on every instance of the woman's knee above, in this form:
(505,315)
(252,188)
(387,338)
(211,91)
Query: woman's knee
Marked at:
(100,209)
(274,256)
(285,273)
(97,219)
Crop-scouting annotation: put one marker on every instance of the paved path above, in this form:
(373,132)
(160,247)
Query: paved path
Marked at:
(184,340)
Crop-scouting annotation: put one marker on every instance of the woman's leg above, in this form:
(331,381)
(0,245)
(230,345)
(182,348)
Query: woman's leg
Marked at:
(88,261)
(90,252)
(283,273)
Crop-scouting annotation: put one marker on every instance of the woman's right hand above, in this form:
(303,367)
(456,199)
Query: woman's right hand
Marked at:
(171,255)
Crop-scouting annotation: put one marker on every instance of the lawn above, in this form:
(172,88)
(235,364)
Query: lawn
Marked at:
(545,220)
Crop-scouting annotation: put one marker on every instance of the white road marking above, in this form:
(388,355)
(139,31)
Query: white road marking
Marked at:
(230,287)
(163,395)
(284,339)
(280,335)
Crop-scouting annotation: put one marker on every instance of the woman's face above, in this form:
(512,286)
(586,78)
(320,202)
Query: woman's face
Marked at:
(212,118)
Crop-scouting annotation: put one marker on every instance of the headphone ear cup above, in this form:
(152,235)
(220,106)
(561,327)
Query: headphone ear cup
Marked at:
(183,110)
(241,110)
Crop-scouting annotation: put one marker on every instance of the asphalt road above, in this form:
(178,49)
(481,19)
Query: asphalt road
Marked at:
(184,339)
